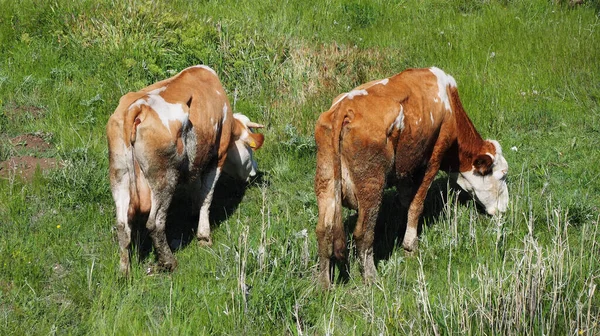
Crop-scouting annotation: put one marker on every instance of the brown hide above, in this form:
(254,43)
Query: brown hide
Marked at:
(408,127)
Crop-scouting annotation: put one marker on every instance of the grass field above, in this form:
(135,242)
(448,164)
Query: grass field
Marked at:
(528,72)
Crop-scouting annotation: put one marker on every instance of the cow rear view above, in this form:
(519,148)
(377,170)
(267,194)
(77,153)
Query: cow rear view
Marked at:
(408,127)
(179,131)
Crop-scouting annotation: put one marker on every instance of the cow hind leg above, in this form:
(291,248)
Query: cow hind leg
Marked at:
(209,180)
(161,200)
(325,230)
(369,197)
(124,215)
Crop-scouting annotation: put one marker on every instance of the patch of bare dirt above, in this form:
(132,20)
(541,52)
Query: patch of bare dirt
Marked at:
(25,166)
(30,142)
(14,112)
(24,161)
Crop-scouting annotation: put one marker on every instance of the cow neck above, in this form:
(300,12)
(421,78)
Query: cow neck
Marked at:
(468,139)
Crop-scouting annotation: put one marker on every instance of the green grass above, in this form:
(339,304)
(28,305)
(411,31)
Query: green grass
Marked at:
(528,74)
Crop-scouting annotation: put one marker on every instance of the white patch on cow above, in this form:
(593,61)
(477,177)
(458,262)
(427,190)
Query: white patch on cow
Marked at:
(240,162)
(348,188)
(157,91)
(330,213)
(355,93)
(496,146)
(398,123)
(383,81)
(218,92)
(431,116)
(209,180)
(121,197)
(202,66)
(410,235)
(444,80)
(224,112)
(166,111)
(141,101)
(435,100)
(216,127)
(339,100)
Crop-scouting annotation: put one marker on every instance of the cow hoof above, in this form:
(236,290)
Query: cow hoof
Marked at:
(124,270)
(204,241)
(168,266)
(410,247)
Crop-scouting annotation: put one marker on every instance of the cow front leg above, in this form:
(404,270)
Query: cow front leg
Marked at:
(209,180)
(423,180)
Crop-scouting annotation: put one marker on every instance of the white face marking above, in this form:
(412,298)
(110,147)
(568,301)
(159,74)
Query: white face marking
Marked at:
(240,162)
(443,81)
(202,66)
(490,190)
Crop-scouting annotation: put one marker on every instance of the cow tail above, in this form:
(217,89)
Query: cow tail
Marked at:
(338,234)
(130,124)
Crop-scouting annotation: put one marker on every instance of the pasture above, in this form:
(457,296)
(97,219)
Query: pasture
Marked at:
(528,72)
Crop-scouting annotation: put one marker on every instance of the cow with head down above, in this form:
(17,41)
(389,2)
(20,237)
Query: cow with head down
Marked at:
(176,134)
(399,130)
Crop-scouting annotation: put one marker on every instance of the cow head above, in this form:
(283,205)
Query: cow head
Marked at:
(240,162)
(486,181)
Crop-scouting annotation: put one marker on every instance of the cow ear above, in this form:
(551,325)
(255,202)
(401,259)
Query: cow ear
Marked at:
(255,140)
(483,164)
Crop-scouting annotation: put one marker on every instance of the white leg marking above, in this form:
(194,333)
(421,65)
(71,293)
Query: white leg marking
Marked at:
(206,193)
(410,235)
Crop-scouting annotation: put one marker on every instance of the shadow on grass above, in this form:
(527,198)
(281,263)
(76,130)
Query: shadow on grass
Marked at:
(183,215)
(392,219)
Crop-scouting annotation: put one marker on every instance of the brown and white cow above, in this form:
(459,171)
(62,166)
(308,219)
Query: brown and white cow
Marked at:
(177,132)
(401,129)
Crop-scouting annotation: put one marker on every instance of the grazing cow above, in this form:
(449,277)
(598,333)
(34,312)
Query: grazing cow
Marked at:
(179,133)
(398,130)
